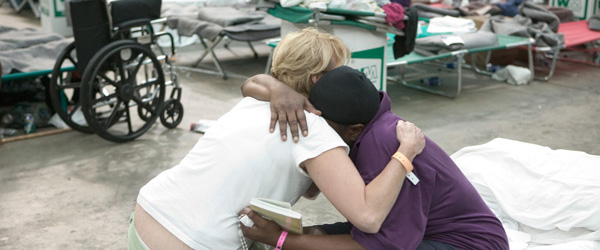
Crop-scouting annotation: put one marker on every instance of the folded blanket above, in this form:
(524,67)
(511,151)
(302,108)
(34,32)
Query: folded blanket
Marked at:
(27,50)
(189,27)
(11,38)
(539,14)
(504,26)
(432,45)
(209,22)
(227,16)
(479,39)
(594,22)
(268,27)
(451,24)
(427,11)
(175,10)
(544,36)
(37,57)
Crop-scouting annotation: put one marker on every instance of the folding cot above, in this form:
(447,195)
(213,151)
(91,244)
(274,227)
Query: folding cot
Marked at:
(575,33)
(33,53)
(29,51)
(504,42)
(215,24)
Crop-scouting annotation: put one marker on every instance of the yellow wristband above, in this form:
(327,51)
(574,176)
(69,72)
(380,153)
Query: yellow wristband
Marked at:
(404,160)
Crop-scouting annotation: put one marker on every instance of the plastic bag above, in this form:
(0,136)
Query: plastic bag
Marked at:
(514,75)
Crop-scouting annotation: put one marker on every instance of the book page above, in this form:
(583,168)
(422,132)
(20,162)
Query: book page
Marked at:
(279,212)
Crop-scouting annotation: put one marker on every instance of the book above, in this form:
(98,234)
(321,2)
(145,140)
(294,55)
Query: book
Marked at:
(279,212)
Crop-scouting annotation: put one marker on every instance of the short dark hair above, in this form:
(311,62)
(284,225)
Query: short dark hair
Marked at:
(345,96)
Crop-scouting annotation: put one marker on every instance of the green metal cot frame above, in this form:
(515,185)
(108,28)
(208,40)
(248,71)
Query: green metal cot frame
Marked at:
(32,74)
(298,14)
(504,42)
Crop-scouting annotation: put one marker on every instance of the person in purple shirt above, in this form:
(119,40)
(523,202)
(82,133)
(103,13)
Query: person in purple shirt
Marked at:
(437,207)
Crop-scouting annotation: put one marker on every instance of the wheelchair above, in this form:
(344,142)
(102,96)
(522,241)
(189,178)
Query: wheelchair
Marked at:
(112,80)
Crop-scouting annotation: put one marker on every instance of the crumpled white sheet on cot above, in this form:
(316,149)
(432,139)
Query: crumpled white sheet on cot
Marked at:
(546,199)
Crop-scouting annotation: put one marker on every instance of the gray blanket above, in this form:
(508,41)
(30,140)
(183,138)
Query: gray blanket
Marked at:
(594,22)
(432,45)
(207,22)
(228,16)
(523,27)
(539,14)
(427,11)
(28,50)
(11,38)
(190,26)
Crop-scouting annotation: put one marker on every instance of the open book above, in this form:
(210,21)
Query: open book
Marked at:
(279,212)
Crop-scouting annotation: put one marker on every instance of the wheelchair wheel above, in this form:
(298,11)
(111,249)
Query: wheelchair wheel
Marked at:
(172,113)
(65,85)
(121,77)
(144,113)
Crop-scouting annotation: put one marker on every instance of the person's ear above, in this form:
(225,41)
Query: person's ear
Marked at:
(353,131)
(315,78)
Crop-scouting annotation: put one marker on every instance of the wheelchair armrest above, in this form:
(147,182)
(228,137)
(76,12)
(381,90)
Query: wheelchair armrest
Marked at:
(133,23)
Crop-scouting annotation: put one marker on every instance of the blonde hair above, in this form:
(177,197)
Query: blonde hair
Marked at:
(305,53)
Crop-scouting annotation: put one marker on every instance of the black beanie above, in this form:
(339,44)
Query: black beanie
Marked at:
(345,96)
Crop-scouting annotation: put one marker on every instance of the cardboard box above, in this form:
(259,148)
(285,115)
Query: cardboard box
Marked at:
(582,9)
(368,48)
(54,18)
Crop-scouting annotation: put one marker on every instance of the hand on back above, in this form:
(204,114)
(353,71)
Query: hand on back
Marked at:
(287,107)
(411,138)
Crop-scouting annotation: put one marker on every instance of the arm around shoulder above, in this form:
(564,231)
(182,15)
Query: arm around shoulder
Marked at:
(258,86)
(365,206)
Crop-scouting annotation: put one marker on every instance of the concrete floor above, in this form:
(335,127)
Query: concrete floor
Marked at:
(76,191)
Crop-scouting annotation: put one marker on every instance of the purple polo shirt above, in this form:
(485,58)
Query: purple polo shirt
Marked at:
(444,206)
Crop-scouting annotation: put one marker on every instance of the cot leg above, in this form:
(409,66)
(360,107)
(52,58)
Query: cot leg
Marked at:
(20,6)
(474,63)
(457,88)
(209,49)
(459,58)
(218,65)
(530,62)
(555,52)
(34,8)
(269,59)
(253,50)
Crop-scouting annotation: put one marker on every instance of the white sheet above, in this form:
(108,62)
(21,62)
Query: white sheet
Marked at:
(546,199)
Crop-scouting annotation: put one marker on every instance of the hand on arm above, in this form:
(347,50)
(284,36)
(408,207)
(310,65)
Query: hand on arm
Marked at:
(268,232)
(287,105)
(365,206)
